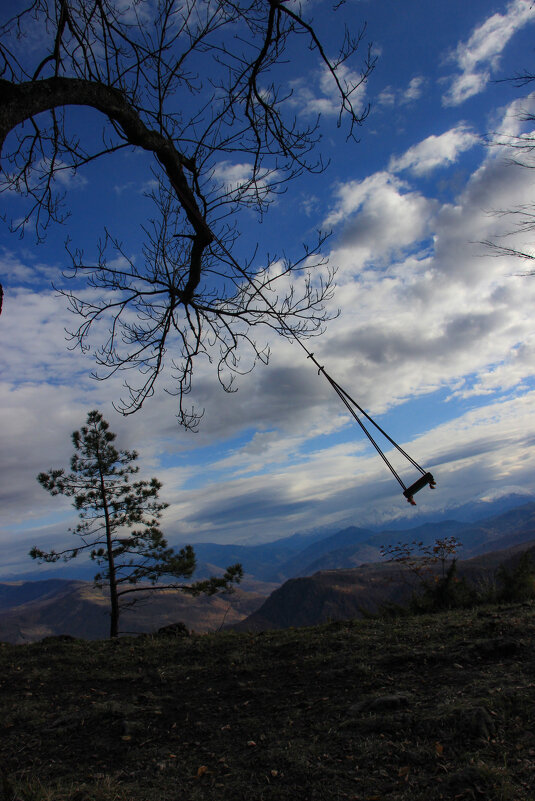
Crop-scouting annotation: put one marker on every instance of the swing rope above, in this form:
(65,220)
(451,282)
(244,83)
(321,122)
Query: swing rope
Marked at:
(351,405)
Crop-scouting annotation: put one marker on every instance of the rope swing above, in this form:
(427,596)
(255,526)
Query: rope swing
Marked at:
(426,479)
(353,407)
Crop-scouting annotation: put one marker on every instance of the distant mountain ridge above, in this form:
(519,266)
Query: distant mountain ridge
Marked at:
(23,592)
(508,521)
(302,561)
(470,512)
(354,546)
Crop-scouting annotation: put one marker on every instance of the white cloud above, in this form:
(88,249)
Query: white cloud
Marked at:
(234,177)
(16,270)
(479,57)
(387,97)
(34,324)
(390,215)
(324,98)
(413,91)
(440,309)
(513,131)
(237,180)
(474,454)
(64,175)
(435,151)
(507,374)
(465,86)
(145,188)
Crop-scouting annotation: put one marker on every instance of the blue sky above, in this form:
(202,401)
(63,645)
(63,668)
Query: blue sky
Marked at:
(435,332)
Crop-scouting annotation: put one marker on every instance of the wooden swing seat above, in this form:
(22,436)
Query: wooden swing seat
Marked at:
(422,482)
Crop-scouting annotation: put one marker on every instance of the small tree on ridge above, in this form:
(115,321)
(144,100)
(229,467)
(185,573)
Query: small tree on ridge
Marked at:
(119,522)
(440,590)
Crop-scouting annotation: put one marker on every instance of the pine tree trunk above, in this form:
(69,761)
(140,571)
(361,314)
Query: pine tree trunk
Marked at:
(114,598)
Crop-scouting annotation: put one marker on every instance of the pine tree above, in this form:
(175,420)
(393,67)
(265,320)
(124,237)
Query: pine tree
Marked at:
(119,521)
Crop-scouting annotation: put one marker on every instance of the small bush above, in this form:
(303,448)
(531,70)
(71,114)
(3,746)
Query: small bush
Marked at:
(518,584)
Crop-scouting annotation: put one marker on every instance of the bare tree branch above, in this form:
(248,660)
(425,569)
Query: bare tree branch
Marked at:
(196,84)
(520,148)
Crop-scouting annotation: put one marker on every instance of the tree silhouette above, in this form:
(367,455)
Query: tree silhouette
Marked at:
(199,84)
(119,523)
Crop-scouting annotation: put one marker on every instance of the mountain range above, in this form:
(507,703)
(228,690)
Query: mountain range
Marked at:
(353,546)
(305,553)
(322,578)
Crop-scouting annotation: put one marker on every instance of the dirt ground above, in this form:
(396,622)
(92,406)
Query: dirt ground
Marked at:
(419,708)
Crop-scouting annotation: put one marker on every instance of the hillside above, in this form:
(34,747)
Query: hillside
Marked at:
(345,594)
(327,596)
(17,593)
(33,610)
(301,563)
(263,562)
(434,708)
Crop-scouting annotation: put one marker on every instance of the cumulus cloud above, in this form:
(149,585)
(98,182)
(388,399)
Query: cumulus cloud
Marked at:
(380,209)
(516,121)
(435,151)
(424,306)
(478,58)
(444,311)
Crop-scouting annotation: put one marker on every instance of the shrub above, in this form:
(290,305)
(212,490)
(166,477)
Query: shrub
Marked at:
(445,592)
(517,584)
